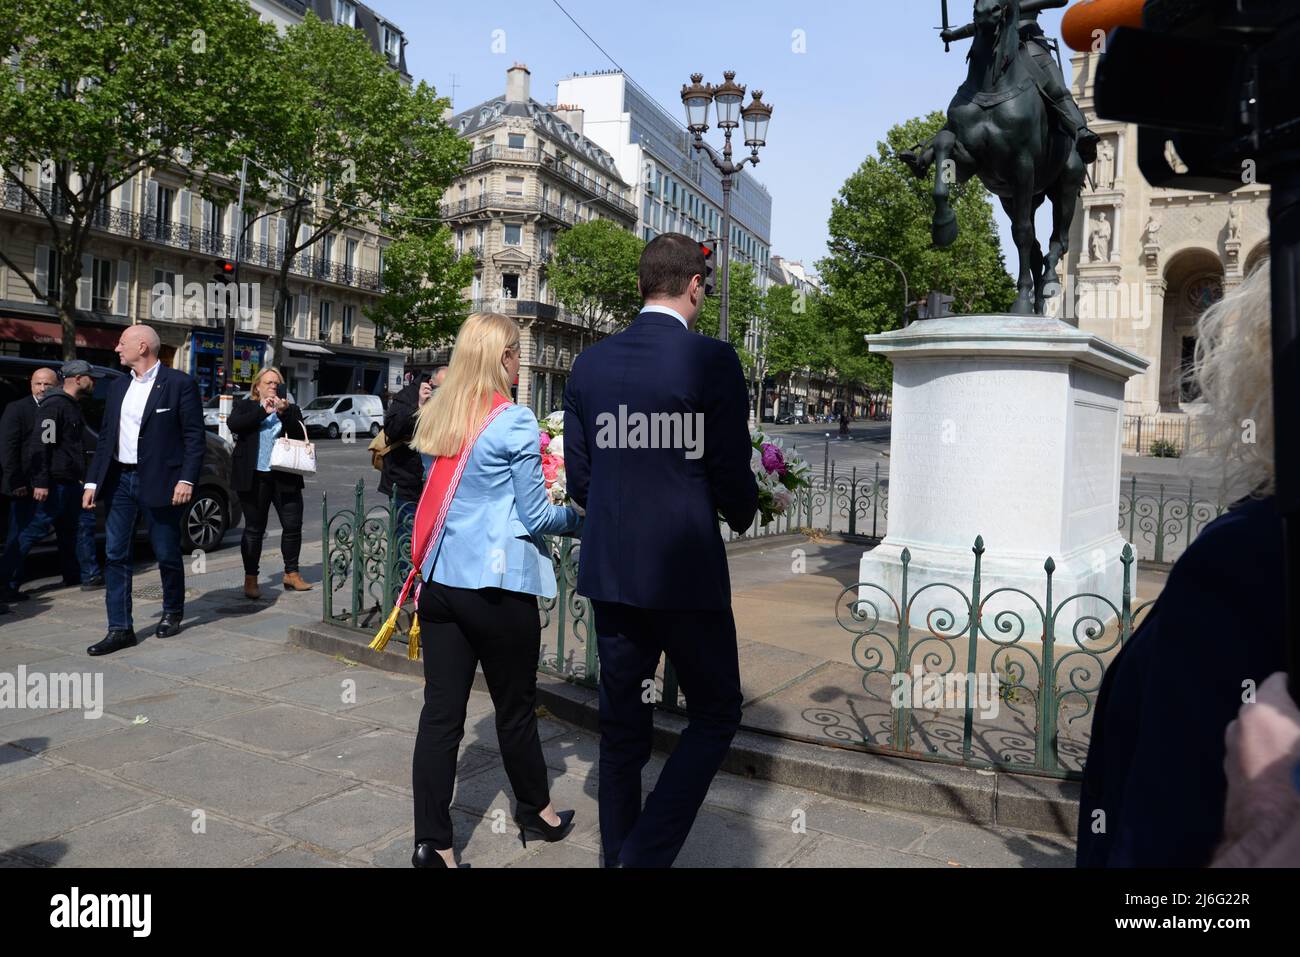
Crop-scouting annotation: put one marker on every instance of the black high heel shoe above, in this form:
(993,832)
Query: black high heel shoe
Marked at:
(426,856)
(533,825)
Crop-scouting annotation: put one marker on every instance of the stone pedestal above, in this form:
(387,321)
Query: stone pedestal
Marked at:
(1009,428)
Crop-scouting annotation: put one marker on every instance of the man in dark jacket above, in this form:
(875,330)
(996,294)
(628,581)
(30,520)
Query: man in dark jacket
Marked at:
(403,469)
(16,427)
(56,468)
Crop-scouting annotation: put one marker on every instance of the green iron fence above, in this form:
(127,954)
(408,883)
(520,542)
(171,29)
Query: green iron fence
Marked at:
(1049,653)
(1160,523)
(1047,685)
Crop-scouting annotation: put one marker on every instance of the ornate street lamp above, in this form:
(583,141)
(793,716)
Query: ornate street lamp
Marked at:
(727,97)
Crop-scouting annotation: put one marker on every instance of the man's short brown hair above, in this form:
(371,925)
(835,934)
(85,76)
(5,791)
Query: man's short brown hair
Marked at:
(667,264)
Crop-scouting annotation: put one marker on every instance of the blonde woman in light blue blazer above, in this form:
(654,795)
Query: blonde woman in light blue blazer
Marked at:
(478,603)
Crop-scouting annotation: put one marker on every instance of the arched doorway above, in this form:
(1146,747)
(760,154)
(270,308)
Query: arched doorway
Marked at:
(1194,282)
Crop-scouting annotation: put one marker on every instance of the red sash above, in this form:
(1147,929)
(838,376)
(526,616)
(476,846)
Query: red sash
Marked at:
(435,500)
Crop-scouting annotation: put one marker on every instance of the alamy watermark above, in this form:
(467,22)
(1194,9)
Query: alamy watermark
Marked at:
(207,300)
(60,691)
(946,691)
(654,430)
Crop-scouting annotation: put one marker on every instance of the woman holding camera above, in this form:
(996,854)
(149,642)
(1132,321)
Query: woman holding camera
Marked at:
(256,422)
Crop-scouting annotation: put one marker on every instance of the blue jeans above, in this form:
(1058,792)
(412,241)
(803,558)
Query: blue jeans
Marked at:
(87,554)
(31,521)
(120,493)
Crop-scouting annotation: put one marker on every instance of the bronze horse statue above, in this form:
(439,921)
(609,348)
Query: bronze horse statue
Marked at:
(1001,129)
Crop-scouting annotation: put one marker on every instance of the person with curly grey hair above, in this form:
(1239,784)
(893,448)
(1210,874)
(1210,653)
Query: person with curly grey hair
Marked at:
(1154,787)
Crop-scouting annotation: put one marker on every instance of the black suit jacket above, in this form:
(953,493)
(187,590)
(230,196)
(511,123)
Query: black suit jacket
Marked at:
(651,537)
(246,418)
(16,425)
(172,441)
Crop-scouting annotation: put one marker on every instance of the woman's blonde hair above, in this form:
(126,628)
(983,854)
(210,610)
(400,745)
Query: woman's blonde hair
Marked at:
(254,391)
(1234,371)
(457,408)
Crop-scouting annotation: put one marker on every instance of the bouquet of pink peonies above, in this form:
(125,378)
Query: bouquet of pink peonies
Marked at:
(780,473)
(551,437)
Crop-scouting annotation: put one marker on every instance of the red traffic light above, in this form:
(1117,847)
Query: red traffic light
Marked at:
(225,271)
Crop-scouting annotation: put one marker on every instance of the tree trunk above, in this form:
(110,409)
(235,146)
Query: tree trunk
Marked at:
(70,268)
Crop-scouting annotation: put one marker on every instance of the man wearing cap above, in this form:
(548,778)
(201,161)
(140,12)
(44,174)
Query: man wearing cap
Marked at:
(55,462)
(16,427)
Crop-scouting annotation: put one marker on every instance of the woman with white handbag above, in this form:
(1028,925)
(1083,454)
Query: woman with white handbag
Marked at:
(272,454)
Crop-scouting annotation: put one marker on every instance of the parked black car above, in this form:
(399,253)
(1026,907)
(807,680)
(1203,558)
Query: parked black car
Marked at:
(213,510)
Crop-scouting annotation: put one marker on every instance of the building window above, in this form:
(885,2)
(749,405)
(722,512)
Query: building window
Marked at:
(345,13)
(509,286)
(514,234)
(392,45)
(102,285)
(162,297)
(348,312)
(53,274)
(514,186)
(212,214)
(516,141)
(1190,390)
(326,317)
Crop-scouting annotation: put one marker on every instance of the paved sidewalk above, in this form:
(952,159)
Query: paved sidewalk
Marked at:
(224,746)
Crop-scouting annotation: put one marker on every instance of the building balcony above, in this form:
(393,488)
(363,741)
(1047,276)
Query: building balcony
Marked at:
(533,156)
(165,232)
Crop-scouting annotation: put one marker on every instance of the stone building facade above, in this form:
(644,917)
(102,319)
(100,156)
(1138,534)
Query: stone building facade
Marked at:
(532,174)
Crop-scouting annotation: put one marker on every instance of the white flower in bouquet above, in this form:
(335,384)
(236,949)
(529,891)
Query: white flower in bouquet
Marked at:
(556,447)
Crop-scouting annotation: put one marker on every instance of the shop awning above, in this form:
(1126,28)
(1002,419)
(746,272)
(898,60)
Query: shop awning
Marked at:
(307,349)
(51,333)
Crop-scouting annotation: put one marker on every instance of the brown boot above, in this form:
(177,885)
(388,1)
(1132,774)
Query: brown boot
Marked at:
(250,587)
(293,582)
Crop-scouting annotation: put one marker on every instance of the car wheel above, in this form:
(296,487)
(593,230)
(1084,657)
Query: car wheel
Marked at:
(374,430)
(333,430)
(205,522)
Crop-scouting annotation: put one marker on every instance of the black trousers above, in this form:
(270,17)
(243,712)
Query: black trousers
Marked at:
(257,502)
(702,648)
(460,627)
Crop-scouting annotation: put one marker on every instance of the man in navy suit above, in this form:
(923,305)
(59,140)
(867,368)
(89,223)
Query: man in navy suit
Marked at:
(149,457)
(656,446)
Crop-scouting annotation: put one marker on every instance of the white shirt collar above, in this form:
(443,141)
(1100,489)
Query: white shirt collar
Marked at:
(669,310)
(150,375)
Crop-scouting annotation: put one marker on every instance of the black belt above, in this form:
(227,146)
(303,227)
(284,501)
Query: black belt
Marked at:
(123,467)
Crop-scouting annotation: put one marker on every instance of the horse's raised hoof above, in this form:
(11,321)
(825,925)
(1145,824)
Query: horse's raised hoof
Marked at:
(912,160)
(943,231)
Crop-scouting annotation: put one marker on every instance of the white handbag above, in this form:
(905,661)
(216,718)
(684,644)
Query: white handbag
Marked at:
(295,456)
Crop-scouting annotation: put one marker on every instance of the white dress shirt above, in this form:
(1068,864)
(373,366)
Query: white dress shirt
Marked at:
(670,311)
(133,403)
(132,416)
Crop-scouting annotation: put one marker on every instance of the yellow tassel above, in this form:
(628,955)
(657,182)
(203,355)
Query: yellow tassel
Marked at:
(385,632)
(413,639)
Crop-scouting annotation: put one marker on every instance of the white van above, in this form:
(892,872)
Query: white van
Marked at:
(334,415)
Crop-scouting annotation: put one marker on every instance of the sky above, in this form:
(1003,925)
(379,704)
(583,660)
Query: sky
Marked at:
(867,65)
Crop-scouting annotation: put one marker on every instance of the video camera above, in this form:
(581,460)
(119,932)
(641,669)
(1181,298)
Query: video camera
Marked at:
(1217,79)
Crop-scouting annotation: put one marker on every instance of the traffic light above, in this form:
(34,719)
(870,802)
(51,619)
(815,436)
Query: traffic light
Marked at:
(225,273)
(707,249)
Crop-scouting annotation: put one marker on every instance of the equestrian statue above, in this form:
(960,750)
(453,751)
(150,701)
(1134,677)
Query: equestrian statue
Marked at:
(1014,125)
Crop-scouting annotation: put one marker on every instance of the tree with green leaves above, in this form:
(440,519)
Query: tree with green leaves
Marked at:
(423,304)
(94,91)
(882,209)
(356,146)
(796,335)
(594,275)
